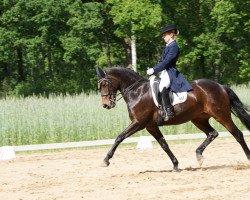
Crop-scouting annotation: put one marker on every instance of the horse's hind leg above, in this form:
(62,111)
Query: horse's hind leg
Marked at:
(204,125)
(238,135)
(156,133)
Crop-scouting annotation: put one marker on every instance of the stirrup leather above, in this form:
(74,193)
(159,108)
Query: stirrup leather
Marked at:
(161,116)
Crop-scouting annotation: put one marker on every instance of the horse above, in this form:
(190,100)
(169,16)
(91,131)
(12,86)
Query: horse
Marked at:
(206,99)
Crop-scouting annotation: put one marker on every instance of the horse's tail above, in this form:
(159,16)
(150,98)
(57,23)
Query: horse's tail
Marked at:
(238,108)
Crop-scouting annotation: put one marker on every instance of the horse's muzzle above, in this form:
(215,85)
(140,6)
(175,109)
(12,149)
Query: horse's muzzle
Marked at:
(106,106)
(109,106)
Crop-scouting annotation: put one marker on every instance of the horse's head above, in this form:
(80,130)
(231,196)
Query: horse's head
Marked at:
(106,88)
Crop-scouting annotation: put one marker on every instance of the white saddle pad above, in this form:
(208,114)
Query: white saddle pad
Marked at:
(178,97)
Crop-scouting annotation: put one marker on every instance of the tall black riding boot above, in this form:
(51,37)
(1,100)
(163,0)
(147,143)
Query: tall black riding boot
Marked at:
(167,106)
(166,109)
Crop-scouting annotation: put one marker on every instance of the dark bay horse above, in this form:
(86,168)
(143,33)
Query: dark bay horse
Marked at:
(207,99)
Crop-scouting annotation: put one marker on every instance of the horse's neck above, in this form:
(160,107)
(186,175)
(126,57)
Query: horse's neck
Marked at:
(132,87)
(126,83)
(123,82)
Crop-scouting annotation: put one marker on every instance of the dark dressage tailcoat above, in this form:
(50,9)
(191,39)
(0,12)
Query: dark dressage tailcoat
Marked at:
(168,62)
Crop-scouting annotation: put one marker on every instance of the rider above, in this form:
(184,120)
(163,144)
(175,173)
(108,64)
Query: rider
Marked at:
(171,78)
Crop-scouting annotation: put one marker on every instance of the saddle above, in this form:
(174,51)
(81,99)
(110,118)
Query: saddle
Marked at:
(175,98)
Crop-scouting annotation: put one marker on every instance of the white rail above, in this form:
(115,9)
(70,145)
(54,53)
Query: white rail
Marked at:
(111,141)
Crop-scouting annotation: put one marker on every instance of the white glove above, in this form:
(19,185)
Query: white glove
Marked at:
(150,71)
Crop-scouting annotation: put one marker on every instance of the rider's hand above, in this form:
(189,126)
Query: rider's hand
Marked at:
(150,71)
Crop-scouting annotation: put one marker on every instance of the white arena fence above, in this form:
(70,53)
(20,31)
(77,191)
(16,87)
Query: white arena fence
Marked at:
(111,141)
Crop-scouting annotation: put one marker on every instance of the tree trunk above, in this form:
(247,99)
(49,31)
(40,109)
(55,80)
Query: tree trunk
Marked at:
(49,61)
(21,76)
(133,51)
(127,48)
(216,72)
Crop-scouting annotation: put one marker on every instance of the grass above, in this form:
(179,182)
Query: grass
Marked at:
(36,120)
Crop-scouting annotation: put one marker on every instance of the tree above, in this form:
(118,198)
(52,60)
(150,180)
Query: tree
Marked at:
(82,42)
(52,46)
(48,47)
(135,20)
(211,39)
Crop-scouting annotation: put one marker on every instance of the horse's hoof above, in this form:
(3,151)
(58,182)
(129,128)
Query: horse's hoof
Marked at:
(105,163)
(200,159)
(176,169)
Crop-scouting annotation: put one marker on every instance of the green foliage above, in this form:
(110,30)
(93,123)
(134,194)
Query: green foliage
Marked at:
(52,46)
(47,46)
(219,50)
(141,17)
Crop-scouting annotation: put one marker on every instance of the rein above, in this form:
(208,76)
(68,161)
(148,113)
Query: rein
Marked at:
(126,90)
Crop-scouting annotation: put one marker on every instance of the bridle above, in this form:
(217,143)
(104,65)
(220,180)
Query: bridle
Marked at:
(112,95)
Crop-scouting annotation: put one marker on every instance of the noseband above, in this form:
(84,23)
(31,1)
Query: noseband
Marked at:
(111,95)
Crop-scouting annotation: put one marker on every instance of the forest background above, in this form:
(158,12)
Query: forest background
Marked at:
(53,46)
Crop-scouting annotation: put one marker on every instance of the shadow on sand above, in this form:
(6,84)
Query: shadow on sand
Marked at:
(240,166)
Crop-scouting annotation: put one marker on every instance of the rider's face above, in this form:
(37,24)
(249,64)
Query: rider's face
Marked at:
(167,36)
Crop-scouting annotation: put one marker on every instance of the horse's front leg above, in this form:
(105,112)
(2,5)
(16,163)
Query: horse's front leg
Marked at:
(131,129)
(156,133)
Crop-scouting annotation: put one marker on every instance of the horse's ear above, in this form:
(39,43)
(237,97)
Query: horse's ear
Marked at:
(100,73)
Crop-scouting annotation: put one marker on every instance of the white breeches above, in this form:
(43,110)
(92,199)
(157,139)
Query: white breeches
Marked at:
(165,80)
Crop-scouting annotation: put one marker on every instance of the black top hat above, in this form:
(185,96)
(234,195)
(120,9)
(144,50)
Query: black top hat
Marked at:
(169,28)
